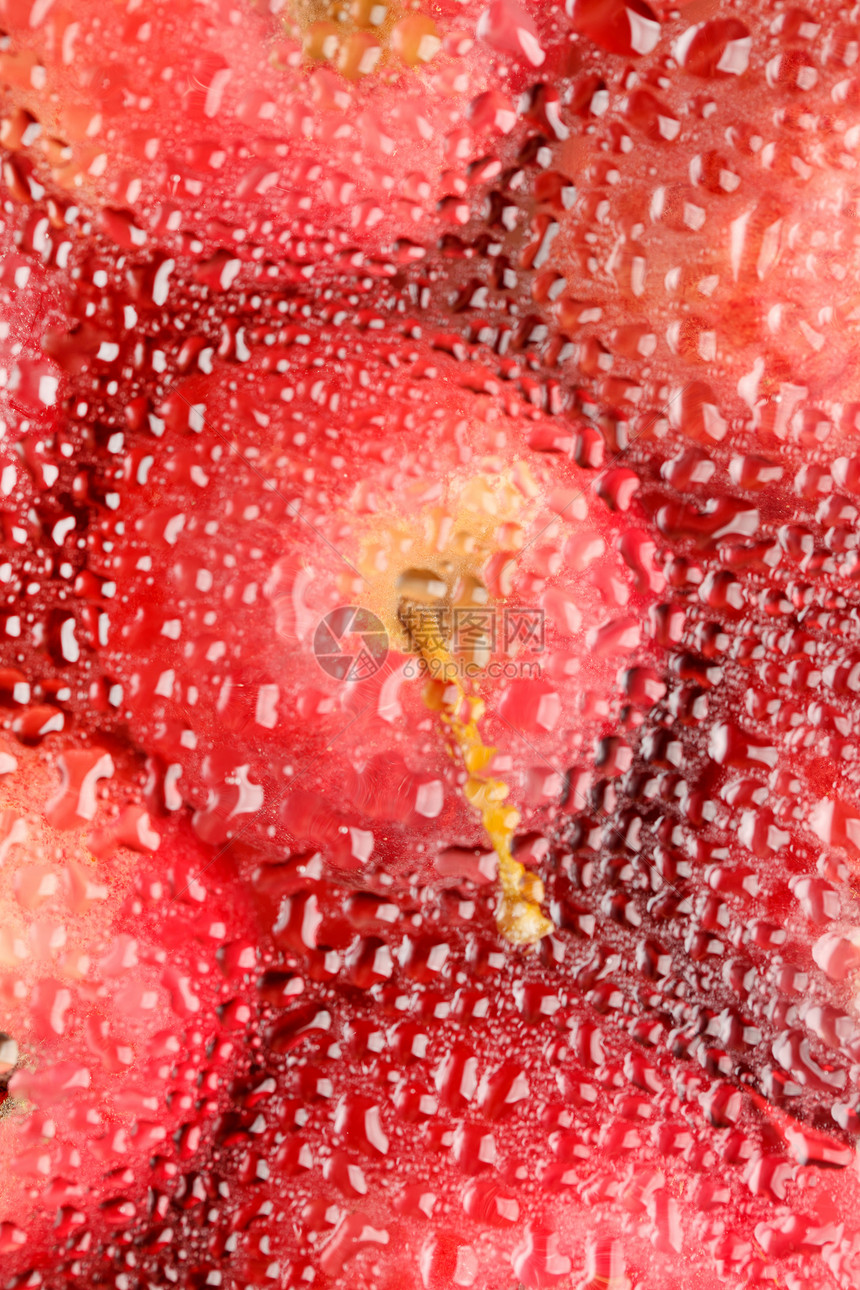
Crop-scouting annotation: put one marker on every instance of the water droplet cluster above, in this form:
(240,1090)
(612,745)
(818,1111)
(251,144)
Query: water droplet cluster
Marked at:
(126,970)
(615,245)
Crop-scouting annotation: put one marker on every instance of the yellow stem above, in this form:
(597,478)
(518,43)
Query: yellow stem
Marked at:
(518,914)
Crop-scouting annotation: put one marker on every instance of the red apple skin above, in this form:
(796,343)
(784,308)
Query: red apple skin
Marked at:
(128,964)
(149,610)
(661,268)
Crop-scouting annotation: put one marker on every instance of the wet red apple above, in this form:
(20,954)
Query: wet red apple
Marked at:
(484,311)
(127,967)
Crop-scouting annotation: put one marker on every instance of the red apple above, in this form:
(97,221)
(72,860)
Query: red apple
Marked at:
(127,976)
(608,378)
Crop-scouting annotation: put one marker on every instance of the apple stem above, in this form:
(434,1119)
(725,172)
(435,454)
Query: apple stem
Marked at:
(519,917)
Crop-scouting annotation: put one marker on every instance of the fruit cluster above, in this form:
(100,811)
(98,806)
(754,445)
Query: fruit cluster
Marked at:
(429,490)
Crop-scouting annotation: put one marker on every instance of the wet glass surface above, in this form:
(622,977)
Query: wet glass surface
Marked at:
(429,645)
